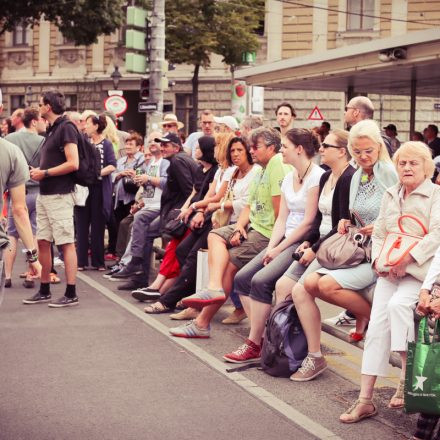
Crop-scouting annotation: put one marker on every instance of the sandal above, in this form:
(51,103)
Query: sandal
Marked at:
(28,284)
(156,308)
(398,395)
(54,279)
(358,417)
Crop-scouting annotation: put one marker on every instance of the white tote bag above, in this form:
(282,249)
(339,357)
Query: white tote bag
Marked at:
(202,270)
(80,195)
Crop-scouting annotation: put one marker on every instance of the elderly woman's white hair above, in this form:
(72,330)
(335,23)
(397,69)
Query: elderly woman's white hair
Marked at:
(368,129)
(416,150)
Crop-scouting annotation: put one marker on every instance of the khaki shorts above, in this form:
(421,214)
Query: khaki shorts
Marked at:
(55,218)
(239,256)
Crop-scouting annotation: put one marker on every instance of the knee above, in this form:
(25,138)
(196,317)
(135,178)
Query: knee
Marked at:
(284,286)
(299,294)
(396,305)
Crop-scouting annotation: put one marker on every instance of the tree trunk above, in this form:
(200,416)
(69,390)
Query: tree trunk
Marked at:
(195,96)
(232,85)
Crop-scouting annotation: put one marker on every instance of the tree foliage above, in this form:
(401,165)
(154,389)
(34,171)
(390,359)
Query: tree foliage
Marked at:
(80,21)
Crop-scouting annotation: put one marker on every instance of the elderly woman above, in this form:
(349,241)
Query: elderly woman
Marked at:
(343,287)
(391,322)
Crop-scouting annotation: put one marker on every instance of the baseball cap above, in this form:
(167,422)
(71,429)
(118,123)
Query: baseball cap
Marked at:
(391,127)
(229,121)
(169,137)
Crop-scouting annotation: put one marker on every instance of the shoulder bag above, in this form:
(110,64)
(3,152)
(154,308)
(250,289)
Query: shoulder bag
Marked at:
(398,245)
(341,251)
(222,217)
(127,181)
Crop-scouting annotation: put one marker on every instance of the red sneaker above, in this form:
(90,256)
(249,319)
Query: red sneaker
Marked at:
(110,257)
(247,352)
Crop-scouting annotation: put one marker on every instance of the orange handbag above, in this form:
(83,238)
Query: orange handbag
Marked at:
(398,245)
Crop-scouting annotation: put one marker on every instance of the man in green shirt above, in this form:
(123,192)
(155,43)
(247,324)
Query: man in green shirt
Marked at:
(232,247)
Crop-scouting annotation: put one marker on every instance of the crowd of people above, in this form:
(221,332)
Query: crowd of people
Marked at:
(263,201)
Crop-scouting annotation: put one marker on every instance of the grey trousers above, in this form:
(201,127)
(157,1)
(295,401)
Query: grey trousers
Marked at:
(258,281)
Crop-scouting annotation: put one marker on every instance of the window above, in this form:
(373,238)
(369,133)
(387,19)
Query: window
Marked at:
(20,35)
(71,102)
(359,15)
(17,101)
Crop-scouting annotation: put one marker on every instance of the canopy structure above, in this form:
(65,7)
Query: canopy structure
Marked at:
(370,67)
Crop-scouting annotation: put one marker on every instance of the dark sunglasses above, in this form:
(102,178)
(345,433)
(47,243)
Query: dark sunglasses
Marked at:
(324,145)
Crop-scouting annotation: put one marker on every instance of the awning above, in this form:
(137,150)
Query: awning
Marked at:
(358,68)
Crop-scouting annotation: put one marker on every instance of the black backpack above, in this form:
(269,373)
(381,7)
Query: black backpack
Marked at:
(285,344)
(89,160)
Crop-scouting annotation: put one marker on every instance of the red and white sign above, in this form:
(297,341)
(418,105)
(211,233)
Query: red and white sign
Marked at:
(116,104)
(316,115)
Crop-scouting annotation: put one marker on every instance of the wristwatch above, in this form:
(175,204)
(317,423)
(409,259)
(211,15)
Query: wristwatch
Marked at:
(46,173)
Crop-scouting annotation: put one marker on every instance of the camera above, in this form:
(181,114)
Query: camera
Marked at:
(297,255)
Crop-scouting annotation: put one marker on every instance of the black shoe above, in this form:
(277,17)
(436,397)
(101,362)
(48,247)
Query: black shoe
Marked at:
(127,272)
(38,298)
(130,285)
(64,302)
(8,283)
(113,270)
(145,294)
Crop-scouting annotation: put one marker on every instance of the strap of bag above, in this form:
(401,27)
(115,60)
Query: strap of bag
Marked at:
(423,335)
(412,217)
(244,367)
(356,216)
(396,245)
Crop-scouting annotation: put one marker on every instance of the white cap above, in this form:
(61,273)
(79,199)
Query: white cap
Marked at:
(229,121)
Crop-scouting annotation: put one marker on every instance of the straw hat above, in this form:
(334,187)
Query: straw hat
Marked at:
(170,119)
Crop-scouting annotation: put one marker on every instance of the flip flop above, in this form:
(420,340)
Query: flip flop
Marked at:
(157,308)
(360,417)
(54,279)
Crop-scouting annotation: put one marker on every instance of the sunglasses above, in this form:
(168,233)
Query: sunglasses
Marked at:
(324,145)
(169,125)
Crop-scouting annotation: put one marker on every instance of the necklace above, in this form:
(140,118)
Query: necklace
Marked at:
(243,173)
(301,179)
(334,180)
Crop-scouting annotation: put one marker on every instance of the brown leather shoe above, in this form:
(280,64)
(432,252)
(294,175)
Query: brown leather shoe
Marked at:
(235,317)
(185,314)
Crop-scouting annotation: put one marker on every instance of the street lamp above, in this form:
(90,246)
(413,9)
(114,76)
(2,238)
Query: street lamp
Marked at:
(28,95)
(116,76)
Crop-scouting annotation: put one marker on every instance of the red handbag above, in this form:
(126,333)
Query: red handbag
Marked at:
(398,245)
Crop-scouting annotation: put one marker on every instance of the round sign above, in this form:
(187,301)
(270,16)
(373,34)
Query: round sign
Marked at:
(116,104)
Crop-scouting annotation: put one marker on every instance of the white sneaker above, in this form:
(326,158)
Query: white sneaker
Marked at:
(341,319)
(58,261)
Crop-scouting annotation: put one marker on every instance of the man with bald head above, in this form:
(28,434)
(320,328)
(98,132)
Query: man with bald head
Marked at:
(360,108)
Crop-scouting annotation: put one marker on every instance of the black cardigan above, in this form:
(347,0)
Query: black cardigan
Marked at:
(340,209)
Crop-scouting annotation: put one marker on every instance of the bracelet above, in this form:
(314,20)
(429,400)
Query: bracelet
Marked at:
(193,206)
(31,255)
(222,206)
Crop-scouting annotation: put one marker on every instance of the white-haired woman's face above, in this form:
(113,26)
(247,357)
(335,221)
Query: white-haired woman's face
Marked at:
(411,170)
(365,152)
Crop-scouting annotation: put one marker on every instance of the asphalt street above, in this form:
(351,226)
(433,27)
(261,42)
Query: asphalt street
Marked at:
(106,370)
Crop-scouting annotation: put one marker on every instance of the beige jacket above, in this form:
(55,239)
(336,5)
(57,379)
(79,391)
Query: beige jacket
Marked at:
(423,203)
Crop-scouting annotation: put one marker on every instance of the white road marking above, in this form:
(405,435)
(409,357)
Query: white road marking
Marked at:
(252,388)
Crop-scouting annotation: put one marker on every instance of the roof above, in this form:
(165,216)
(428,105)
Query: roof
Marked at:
(358,66)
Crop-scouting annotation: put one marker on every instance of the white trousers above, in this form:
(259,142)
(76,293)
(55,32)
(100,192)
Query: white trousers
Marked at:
(391,323)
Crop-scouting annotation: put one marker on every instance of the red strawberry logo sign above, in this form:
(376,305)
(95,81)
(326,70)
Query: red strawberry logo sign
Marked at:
(240,90)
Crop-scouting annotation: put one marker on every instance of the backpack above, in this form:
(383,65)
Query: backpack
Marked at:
(89,160)
(285,344)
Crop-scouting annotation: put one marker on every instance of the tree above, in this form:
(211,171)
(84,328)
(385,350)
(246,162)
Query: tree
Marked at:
(190,39)
(80,21)
(197,28)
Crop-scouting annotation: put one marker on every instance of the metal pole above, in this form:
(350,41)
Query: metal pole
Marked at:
(157,61)
(412,110)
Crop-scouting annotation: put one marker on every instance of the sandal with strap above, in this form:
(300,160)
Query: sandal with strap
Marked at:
(358,417)
(54,279)
(398,395)
(156,308)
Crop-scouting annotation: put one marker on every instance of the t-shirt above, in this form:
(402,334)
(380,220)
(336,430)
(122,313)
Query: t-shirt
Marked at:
(13,172)
(191,142)
(152,194)
(223,176)
(59,134)
(29,144)
(325,204)
(296,201)
(267,184)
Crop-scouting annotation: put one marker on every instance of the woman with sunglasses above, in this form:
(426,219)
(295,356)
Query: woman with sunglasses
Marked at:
(345,287)
(334,188)
(94,215)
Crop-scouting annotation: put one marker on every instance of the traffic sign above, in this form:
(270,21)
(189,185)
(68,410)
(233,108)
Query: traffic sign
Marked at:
(116,104)
(147,107)
(316,115)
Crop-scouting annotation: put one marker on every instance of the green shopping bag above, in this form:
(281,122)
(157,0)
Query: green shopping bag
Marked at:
(422,380)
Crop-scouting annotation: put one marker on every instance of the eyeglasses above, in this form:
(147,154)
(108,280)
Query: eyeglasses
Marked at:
(368,152)
(324,145)
(256,147)
(169,125)
(348,108)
